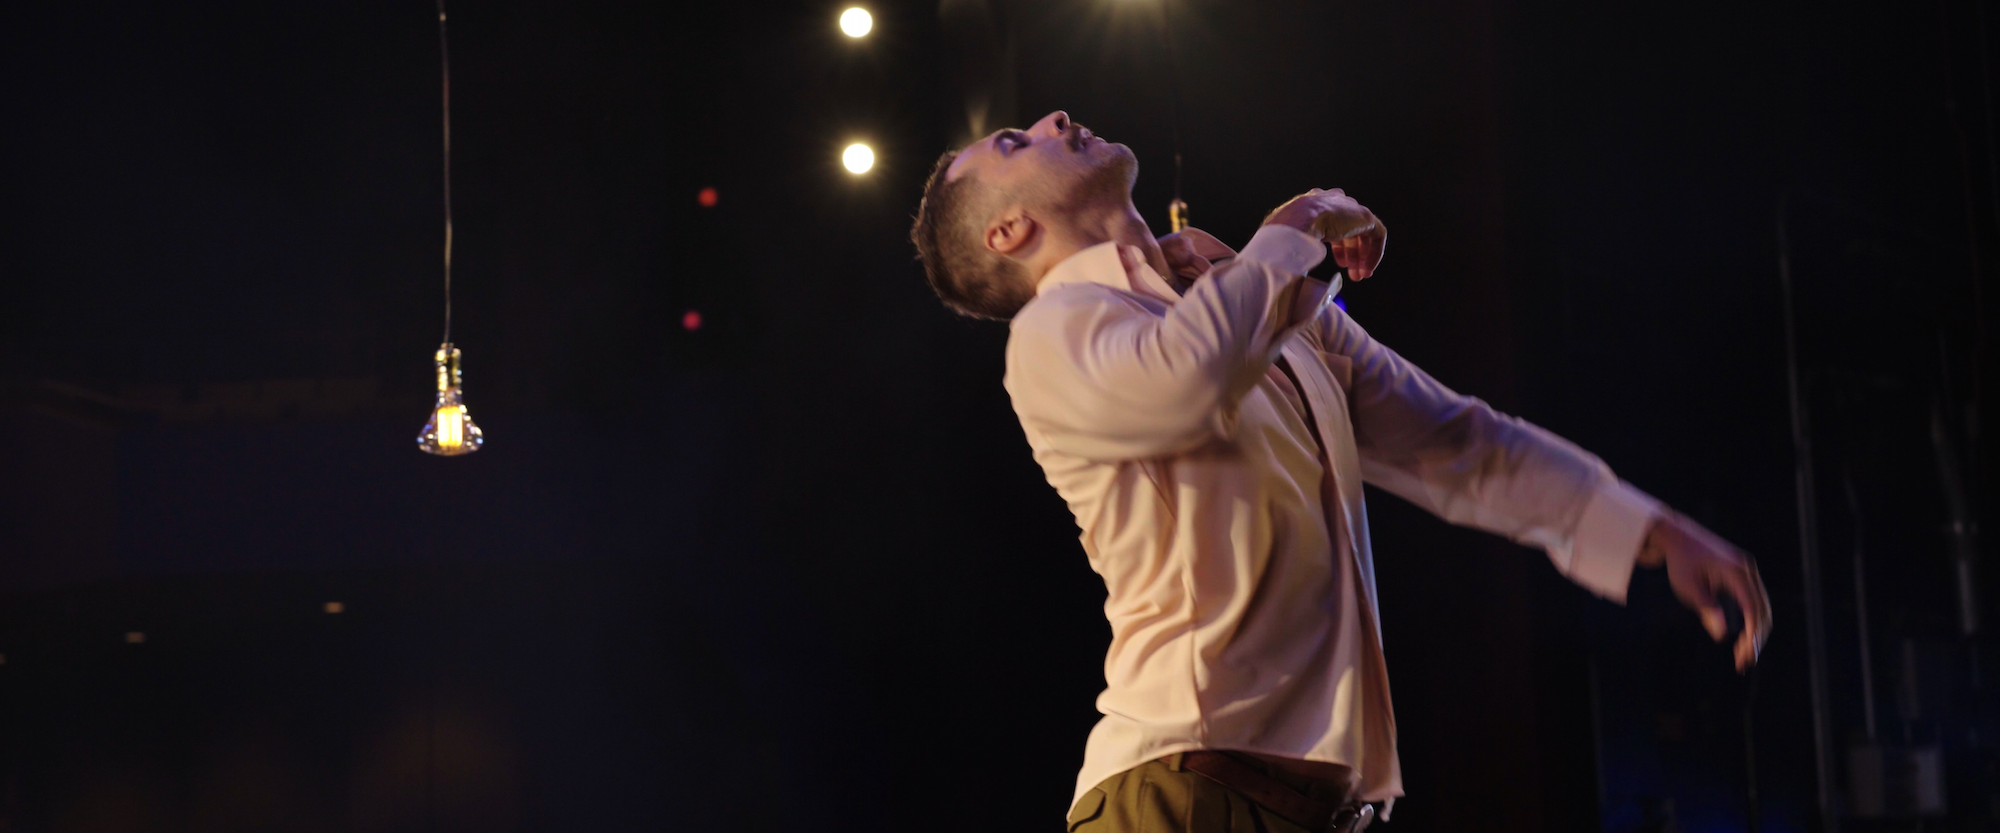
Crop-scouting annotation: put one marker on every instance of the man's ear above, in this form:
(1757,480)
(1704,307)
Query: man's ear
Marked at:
(1010,233)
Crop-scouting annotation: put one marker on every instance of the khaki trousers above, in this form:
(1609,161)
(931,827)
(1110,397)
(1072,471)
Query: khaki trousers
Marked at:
(1160,797)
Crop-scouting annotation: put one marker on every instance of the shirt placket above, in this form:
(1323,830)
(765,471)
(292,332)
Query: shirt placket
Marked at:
(1338,453)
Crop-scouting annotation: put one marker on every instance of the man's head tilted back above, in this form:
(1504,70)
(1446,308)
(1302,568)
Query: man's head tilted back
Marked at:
(992,209)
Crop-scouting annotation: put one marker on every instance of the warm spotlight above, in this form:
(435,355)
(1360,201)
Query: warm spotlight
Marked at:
(856,22)
(858,158)
(707,198)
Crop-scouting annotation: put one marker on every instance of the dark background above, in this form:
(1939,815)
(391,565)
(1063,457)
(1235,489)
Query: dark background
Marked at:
(795,570)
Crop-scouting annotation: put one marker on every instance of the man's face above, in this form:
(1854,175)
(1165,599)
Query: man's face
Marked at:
(1055,163)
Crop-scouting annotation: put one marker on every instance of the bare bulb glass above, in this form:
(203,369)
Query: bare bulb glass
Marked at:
(858,158)
(450,431)
(856,22)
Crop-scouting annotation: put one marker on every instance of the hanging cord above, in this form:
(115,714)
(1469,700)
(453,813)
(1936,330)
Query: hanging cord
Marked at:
(431,716)
(1179,208)
(1993,194)
(444,62)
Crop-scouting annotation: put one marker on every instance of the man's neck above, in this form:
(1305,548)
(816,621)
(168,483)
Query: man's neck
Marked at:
(1119,224)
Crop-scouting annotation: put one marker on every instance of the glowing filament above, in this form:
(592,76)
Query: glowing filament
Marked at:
(451,426)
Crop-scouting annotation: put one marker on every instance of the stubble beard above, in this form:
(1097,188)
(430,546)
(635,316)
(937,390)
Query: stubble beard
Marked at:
(1105,182)
(1112,177)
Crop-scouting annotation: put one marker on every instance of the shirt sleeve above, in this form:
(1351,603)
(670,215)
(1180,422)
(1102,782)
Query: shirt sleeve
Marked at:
(1097,375)
(1473,466)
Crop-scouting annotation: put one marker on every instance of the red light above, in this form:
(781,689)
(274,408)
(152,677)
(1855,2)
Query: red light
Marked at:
(707,198)
(691,321)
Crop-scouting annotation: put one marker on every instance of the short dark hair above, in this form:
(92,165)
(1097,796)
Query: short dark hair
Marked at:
(948,230)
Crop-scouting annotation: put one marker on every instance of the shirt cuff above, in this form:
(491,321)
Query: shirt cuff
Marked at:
(1608,536)
(1286,248)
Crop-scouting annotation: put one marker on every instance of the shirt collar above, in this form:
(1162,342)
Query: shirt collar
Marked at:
(1113,265)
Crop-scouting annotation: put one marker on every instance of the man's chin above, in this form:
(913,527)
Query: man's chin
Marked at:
(1107,173)
(1121,162)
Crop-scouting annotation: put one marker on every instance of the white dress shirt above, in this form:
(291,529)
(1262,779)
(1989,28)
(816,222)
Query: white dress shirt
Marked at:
(1240,584)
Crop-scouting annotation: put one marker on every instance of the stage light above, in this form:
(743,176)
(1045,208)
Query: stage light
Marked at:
(135,637)
(707,198)
(858,158)
(450,431)
(856,22)
(334,607)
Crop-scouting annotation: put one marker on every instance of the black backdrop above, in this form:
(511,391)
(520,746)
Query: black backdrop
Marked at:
(795,569)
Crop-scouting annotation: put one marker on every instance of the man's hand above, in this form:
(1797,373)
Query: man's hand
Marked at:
(1355,233)
(1191,252)
(1700,566)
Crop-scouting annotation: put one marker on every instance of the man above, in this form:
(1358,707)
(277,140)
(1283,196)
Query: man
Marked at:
(1211,427)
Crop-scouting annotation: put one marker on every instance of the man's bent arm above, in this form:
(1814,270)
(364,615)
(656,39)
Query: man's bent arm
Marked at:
(1098,377)
(1471,465)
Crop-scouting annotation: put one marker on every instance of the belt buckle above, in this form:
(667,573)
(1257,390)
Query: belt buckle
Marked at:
(1352,819)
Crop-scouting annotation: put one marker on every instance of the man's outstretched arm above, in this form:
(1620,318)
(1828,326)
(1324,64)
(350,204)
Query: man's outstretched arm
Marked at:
(1471,465)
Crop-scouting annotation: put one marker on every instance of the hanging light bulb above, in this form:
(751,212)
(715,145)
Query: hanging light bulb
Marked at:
(450,431)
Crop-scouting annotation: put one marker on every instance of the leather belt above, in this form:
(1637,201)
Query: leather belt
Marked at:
(1303,810)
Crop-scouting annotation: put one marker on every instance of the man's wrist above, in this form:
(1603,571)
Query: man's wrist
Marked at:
(1301,225)
(1616,522)
(1292,251)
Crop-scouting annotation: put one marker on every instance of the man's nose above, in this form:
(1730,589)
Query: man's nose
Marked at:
(1057,123)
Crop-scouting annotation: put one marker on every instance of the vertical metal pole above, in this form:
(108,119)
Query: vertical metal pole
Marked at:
(1809,568)
(1753,805)
(1863,638)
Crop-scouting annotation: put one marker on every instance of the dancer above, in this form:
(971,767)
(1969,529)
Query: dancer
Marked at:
(1211,427)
